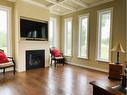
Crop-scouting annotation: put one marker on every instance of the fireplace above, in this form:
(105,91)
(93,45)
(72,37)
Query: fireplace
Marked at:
(35,59)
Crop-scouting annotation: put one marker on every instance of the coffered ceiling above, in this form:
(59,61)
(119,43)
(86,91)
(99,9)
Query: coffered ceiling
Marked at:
(62,7)
(12,0)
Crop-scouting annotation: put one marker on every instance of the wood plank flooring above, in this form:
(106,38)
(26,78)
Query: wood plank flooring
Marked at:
(62,80)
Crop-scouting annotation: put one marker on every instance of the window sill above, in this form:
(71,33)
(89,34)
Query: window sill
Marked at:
(67,55)
(104,61)
(83,57)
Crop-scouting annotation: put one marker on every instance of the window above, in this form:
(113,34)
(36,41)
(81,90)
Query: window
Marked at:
(104,34)
(68,37)
(83,36)
(5,30)
(52,29)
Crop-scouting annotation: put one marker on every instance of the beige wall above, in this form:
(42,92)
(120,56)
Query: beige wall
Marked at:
(118,34)
(31,11)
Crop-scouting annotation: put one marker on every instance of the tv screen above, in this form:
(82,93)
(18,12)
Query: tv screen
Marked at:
(33,29)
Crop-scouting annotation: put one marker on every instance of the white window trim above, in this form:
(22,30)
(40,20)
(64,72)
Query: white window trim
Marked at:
(98,33)
(9,31)
(65,20)
(55,20)
(79,20)
(126,32)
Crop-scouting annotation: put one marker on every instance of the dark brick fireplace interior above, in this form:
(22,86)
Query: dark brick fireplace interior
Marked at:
(35,59)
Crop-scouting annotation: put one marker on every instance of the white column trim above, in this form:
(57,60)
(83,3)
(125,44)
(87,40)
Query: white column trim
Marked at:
(126,31)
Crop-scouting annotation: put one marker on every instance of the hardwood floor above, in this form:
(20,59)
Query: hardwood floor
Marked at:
(63,80)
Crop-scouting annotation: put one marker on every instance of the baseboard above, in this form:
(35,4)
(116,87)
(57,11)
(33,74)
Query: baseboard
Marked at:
(93,68)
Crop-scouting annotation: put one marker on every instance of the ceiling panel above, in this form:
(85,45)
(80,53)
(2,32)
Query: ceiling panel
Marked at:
(56,1)
(65,6)
(91,1)
(44,2)
(72,4)
(58,9)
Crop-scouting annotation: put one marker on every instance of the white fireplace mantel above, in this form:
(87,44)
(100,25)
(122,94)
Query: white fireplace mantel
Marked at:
(30,45)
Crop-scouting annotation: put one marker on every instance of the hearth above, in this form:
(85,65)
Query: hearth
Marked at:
(35,59)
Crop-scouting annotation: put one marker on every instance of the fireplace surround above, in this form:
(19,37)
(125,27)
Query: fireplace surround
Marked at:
(24,46)
(35,59)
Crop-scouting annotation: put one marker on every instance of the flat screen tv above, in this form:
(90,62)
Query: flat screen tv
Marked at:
(33,30)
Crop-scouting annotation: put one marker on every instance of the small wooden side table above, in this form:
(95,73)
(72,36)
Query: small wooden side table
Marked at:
(100,89)
(115,71)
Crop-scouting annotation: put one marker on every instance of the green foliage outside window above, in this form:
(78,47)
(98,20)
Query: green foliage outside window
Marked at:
(3,42)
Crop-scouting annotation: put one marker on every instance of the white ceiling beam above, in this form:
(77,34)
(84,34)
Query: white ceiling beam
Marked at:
(55,2)
(60,4)
(81,3)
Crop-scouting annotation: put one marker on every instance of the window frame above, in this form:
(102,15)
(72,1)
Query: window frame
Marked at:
(9,29)
(54,35)
(99,32)
(65,20)
(79,22)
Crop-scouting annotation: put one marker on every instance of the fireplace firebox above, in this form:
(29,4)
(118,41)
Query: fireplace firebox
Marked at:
(35,59)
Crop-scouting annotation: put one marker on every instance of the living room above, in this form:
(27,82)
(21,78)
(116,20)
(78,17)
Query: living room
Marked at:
(87,55)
